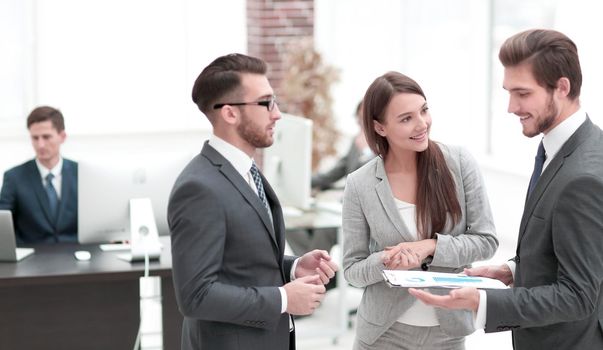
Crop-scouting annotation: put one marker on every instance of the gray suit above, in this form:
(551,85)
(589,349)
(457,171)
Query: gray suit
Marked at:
(227,259)
(557,301)
(371,222)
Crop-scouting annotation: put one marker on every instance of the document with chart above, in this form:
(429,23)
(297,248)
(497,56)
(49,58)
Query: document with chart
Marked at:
(423,279)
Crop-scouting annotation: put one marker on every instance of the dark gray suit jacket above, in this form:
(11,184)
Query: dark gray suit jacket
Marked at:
(24,195)
(227,259)
(557,302)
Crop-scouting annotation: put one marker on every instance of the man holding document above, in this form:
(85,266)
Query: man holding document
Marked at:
(557,274)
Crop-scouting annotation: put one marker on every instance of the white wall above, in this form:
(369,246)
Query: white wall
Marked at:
(17,149)
(446,47)
(438,43)
(122,71)
(113,66)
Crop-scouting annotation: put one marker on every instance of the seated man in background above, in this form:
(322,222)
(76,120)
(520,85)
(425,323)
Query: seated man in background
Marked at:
(358,154)
(42,193)
(302,241)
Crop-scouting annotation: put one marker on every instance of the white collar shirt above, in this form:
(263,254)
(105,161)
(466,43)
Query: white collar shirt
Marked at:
(554,139)
(239,159)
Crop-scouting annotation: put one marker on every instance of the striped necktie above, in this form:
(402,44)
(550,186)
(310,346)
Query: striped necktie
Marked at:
(53,198)
(257,179)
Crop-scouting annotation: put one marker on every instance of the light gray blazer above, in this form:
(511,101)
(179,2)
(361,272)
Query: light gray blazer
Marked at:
(371,222)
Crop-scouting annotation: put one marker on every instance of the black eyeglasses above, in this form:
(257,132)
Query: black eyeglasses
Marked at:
(269,104)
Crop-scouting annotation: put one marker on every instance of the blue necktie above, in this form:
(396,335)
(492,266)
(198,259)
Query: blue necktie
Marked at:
(53,198)
(538,163)
(257,179)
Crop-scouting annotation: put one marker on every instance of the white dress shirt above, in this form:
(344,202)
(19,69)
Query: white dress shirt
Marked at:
(552,141)
(242,164)
(418,314)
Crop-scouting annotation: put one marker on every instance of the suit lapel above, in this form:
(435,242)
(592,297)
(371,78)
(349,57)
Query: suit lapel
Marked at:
(551,170)
(278,224)
(35,181)
(242,186)
(386,198)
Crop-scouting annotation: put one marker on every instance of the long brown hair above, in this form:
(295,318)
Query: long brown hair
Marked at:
(436,191)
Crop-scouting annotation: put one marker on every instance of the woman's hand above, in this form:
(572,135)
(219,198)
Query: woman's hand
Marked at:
(408,255)
(400,257)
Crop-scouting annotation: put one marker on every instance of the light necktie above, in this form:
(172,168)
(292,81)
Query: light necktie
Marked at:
(257,179)
(53,198)
(538,163)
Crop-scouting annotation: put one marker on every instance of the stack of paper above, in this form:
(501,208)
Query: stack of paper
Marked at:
(423,279)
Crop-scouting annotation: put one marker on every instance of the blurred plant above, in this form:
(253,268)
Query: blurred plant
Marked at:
(306,92)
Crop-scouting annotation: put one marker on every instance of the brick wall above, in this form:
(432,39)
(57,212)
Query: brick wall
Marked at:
(271,25)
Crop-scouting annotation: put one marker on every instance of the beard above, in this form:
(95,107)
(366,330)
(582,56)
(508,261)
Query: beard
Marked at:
(253,134)
(548,118)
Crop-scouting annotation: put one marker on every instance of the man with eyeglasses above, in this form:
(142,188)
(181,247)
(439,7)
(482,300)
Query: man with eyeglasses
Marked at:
(234,286)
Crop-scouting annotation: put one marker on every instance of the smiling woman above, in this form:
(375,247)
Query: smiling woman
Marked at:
(432,213)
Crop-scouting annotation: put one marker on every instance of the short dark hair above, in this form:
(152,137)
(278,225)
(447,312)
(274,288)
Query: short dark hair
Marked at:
(551,54)
(44,113)
(223,77)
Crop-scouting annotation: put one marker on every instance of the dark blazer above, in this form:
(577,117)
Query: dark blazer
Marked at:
(227,259)
(24,195)
(557,299)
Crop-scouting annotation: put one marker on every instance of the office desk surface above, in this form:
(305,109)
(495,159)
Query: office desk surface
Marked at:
(50,300)
(57,263)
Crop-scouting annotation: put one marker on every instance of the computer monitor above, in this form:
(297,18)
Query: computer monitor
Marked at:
(288,162)
(107,183)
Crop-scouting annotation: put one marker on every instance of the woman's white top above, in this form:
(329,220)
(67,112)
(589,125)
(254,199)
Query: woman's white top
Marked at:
(418,314)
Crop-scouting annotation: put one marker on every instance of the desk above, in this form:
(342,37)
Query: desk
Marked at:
(324,219)
(52,301)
